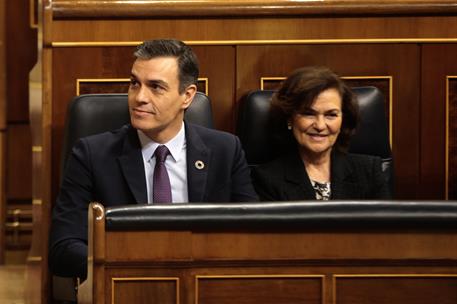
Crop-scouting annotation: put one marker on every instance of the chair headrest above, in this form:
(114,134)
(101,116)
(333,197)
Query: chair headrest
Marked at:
(96,113)
(371,136)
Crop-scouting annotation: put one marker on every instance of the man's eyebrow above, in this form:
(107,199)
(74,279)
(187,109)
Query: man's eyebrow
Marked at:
(152,81)
(158,82)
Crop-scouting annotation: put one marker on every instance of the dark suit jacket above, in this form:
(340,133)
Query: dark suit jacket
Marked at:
(108,168)
(353,176)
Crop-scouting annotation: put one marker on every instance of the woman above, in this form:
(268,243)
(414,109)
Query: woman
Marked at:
(314,114)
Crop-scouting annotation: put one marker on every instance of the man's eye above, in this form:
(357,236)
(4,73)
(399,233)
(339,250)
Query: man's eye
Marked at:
(133,82)
(157,87)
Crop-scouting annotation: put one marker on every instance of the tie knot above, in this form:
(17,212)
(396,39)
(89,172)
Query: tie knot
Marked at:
(161,153)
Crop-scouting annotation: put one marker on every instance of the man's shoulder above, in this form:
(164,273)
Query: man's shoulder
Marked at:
(109,136)
(109,143)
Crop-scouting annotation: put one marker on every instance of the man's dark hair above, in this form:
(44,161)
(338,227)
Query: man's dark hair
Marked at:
(299,91)
(187,60)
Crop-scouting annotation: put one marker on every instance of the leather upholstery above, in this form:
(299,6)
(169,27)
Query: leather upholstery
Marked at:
(95,113)
(371,137)
(342,214)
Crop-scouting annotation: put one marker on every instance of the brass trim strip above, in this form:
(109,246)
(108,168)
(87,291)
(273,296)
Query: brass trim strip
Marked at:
(18,212)
(37,149)
(176,279)
(206,81)
(395,275)
(37,202)
(390,78)
(250,276)
(34,259)
(263,79)
(261,276)
(59,44)
(446,145)
(80,80)
(32,20)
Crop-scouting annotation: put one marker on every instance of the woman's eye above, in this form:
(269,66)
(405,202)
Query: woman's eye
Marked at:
(332,115)
(308,113)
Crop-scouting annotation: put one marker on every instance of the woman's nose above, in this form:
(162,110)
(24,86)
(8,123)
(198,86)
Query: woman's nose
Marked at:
(319,122)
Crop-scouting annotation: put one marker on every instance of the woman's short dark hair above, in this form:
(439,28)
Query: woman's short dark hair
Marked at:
(299,91)
(187,60)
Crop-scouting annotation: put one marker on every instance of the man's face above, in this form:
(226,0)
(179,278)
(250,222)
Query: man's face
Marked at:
(155,104)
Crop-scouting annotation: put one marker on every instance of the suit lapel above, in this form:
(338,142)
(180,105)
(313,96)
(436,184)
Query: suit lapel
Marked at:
(198,163)
(297,180)
(131,162)
(342,186)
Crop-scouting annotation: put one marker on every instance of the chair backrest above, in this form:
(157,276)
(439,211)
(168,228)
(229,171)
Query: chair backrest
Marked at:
(371,137)
(95,113)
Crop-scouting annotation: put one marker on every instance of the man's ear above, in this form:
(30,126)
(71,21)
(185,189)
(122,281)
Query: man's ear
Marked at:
(189,94)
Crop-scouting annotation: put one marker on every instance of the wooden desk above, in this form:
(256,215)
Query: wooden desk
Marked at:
(274,265)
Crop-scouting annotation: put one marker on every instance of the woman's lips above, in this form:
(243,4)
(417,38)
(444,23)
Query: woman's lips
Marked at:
(318,137)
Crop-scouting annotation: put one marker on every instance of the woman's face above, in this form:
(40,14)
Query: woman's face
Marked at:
(317,129)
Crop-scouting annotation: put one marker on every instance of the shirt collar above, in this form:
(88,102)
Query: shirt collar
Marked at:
(175,145)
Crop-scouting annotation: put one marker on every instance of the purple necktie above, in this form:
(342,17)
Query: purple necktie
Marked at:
(161,182)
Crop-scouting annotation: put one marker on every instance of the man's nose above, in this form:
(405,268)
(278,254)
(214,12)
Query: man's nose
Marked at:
(141,95)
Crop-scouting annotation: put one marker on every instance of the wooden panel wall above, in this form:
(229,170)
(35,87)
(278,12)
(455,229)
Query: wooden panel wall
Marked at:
(439,124)
(2,128)
(21,55)
(395,289)
(408,47)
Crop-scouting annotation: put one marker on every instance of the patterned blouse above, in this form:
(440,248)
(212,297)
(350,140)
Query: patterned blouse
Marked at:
(322,190)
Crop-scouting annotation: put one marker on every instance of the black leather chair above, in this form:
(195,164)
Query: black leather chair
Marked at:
(95,113)
(371,137)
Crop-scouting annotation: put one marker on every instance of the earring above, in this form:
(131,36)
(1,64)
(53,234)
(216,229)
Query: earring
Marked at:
(289,126)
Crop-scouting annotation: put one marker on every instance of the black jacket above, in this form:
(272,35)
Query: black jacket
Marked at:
(108,168)
(353,176)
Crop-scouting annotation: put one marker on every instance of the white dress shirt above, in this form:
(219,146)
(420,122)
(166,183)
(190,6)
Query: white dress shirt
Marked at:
(176,164)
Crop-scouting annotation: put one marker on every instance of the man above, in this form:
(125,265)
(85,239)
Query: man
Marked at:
(119,167)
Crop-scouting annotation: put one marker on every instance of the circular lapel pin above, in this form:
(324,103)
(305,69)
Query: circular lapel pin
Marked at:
(199,164)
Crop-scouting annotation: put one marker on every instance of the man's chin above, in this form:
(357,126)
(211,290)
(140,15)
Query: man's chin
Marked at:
(144,126)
